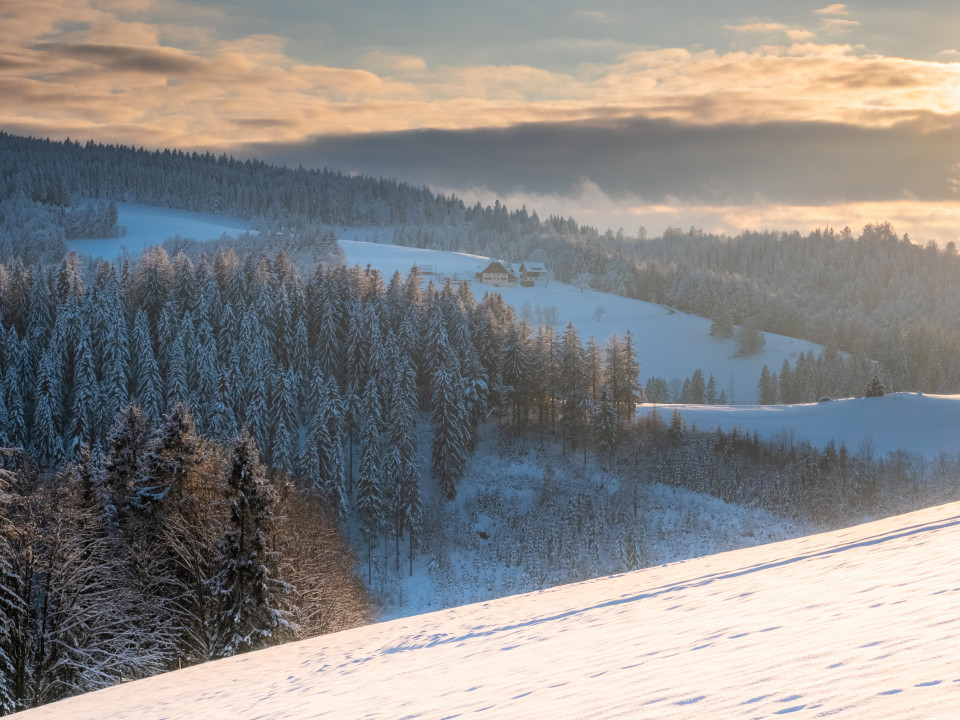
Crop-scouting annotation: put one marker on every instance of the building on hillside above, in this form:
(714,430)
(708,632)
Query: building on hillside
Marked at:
(532,273)
(503,274)
(498,274)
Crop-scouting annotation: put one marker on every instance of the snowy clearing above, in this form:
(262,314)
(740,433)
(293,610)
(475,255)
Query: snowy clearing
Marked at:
(925,425)
(148,225)
(670,344)
(861,622)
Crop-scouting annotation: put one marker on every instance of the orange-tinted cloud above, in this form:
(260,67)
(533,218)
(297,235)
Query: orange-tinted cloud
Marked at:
(111,70)
(923,221)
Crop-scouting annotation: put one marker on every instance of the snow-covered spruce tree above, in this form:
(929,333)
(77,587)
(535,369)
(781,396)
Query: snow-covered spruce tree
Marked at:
(402,462)
(178,531)
(170,457)
(116,360)
(222,423)
(126,447)
(606,423)
(322,465)
(874,388)
(257,418)
(750,340)
(573,386)
(767,387)
(176,385)
(253,609)
(450,426)
(45,434)
(147,387)
(370,500)
(86,398)
(623,376)
(285,420)
(207,375)
(678,428)
(515,373)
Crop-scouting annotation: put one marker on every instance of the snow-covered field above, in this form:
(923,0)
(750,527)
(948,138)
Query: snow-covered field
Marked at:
(862,622)
(670,344)
(925,425)
(148,225)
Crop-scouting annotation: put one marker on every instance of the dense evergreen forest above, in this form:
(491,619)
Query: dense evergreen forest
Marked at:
(874,294)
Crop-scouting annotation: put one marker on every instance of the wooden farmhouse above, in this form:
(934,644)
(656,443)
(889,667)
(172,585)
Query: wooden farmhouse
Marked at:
(498,274)
(502,274)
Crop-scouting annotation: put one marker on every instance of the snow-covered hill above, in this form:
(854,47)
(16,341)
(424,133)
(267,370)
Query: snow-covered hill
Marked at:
(862,622)
(147,225)
(925,425)
(670,344)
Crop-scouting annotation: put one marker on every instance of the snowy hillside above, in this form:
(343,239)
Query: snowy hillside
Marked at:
(925,425)
(861,622)
(670,344)
(147,225)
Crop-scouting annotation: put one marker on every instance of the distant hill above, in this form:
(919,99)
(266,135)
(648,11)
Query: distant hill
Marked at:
(925,425)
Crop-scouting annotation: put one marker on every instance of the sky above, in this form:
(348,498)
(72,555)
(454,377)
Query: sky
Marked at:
(621,113)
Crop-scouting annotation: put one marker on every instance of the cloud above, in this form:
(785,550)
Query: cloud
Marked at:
(593,16)
(794,33)
(949,54)
(379,61)
(590,204)
(758,27)
(835,9)
(838,25)
(125,58)
(782,162)
(120,71)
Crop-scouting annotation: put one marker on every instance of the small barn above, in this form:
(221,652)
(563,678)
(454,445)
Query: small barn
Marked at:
(532,273)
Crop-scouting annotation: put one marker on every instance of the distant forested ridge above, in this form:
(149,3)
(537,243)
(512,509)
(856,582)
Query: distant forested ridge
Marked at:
(875,295)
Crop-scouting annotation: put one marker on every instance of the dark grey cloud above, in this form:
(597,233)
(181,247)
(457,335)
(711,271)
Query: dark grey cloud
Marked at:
(796,163)
(271,122)
(125,58)
(12,62)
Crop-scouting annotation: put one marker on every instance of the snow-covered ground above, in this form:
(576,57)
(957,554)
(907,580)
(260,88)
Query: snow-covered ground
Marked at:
(670,344)
(148,225)
(862,622)
(925,425)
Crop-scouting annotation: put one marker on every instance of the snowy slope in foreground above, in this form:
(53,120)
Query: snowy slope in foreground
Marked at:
(925,425)
(862,622)
(148,225)
(670,344)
